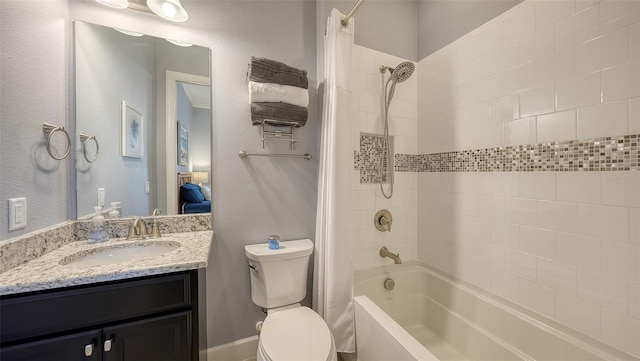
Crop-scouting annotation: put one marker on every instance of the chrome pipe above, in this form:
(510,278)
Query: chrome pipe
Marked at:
(345,21)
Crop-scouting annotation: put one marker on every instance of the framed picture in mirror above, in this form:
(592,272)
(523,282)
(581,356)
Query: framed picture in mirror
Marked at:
(183,145)
(132,132)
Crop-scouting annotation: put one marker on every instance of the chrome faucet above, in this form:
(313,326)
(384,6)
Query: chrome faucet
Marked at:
(137,229)
(384,252)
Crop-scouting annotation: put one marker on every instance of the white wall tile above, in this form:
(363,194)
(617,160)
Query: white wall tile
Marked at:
(519,78)
(621,259)
(548,11)
(621,82)
(634,299)
(504,108)
(557,216)
(538,241)
(520,131)
(505,285)
(488,254)
(608,119)
(491,207)
(479,182)
(520,211)
(578,250)
(490,87)
(634,42)
(621,330)
(581,315)
(603,222)
(578,28)
(519,21)
(605,51)
(521,264)
(505,57)
(538,44)
(505,234)
(556,127)
(555,67)
(619,14)
(581,91)
(634,116)
(583,4)
(536,101)
(634,225)
(583,187)
(605,290)
(559,276)
(538,185)
(479,229)
(537,298)
(621,189)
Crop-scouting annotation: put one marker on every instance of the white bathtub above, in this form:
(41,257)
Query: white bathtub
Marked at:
(429,316)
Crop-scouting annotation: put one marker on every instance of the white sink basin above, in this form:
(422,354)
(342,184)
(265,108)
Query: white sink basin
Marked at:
(118,253)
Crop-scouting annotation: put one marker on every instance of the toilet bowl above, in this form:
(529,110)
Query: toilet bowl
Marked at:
(278,284)
(295,334)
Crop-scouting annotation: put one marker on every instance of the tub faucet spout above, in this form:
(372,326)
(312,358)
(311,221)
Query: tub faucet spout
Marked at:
(384,252)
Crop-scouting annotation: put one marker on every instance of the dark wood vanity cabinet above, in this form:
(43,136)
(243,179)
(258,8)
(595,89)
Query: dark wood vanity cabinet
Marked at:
(152,318)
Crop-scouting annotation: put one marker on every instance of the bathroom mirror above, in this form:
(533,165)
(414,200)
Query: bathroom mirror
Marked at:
(143,121)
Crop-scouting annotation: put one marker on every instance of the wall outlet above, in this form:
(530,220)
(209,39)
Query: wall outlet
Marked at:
(147,189)
(101,196)
(17,213)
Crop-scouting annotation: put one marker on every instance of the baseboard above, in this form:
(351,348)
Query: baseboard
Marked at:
(238,350)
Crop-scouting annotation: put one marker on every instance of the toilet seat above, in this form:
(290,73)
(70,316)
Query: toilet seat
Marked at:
(296,334)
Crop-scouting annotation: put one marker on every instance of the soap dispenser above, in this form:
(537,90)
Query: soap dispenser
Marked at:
(98,233)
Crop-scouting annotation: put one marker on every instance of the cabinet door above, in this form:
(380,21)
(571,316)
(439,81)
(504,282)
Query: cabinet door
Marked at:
(75,347)
(165,338)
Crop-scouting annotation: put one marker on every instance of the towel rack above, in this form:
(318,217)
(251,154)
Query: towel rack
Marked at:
(84,139)
(49,130)
(243,154)
(276,133)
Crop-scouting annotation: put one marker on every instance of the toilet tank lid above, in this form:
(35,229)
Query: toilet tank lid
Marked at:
(288,250)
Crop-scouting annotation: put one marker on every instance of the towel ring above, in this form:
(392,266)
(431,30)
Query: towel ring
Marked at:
(50,129)
(84,139)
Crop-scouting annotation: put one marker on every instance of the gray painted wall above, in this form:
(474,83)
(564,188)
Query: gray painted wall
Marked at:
(387,26)
(33,83)
(443,21)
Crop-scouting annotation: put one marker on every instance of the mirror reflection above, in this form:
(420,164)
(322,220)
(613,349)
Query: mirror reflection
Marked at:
(147,103)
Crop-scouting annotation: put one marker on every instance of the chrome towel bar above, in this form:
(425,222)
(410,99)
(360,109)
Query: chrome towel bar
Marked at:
(243,154)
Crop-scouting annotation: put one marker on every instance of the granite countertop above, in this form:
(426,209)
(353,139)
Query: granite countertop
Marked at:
(46,272)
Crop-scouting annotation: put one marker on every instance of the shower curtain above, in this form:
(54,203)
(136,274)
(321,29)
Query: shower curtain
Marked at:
(333,274)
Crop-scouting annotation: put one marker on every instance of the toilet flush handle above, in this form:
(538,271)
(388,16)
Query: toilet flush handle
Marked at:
(253,267)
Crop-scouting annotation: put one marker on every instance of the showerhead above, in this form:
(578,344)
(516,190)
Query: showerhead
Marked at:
(401,72)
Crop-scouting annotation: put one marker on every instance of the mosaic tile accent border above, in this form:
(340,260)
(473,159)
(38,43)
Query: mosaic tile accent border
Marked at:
(604,154)
(367,160)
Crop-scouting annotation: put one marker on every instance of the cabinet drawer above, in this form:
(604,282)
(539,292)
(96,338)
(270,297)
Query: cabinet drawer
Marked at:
(36,315)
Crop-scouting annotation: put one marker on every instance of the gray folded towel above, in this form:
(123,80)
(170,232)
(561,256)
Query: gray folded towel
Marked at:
(278,111)
(264,70)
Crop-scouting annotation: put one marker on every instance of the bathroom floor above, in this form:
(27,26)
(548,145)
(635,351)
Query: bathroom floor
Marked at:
(439,347)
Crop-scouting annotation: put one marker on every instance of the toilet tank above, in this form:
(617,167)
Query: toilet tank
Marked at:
(279,277)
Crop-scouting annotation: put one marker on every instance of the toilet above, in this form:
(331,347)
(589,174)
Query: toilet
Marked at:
(278,284)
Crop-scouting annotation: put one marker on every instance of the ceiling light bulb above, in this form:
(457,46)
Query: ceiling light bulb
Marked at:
(170,10)
(116,4)
(129,32)
(179,43)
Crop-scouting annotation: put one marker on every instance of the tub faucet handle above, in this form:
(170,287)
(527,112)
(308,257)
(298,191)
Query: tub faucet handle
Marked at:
(382,220)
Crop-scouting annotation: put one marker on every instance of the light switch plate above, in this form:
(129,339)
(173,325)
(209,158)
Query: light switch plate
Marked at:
(17,213)
(147,189)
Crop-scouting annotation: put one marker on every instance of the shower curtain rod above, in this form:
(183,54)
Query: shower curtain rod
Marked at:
(345,21)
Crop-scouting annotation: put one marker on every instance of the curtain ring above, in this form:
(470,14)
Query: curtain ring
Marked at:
(84,139)
(50,129)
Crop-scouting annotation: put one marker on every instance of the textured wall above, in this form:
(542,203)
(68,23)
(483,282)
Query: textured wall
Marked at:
(563,244)
(33,82)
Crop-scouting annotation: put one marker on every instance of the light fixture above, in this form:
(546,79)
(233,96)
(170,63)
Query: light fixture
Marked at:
(200,177)
(171,10)
(116,4)
(129,32)
(179,43)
